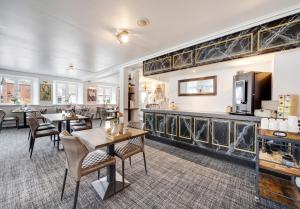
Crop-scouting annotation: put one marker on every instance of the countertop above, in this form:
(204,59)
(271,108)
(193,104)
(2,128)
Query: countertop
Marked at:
(221,115)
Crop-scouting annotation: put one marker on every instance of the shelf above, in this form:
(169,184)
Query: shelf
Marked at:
(269,134)
(291,171)
(279,190)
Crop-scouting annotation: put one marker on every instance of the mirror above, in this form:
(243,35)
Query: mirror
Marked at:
(198,86)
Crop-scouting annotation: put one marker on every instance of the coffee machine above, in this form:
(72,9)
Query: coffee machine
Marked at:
(249,89)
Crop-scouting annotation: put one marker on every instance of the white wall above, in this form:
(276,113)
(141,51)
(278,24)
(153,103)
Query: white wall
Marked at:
(287,73)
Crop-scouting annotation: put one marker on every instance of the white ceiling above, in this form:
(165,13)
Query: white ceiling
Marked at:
(45,36)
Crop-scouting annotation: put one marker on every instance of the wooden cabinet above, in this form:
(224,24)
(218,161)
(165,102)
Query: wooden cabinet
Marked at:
(221,132)
(245,136)
(201,130)
(171,125)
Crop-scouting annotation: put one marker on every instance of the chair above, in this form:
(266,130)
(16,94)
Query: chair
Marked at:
(133,147)
(81,162)
(37,115)
(88,123)
(104,116)
(36,133)
(7,119)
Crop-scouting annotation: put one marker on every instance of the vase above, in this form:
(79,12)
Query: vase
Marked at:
(115,129)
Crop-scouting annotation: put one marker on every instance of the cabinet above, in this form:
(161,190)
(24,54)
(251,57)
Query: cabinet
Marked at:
(171,125)
(149,122)
(244,136)
(185,128)
(270,151)
(160,123)
(201,130)
(221,132)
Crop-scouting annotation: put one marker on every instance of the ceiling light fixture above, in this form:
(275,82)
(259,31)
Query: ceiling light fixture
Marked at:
(123,37)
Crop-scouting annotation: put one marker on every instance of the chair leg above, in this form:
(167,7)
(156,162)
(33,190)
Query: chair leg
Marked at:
(54,140)
(130,161)
(33,140)
(58,139)
(98,174)
(115,183)
(145,162)
(76,194)
(123,174)
(64,183)
(29,134)
(30,143)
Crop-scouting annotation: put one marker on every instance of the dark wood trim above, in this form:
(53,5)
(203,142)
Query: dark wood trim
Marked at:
(214,78)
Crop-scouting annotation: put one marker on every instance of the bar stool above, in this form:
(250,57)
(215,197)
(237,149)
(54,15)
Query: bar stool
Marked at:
(81,162)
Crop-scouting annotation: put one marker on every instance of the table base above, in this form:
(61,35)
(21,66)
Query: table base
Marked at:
(105,190)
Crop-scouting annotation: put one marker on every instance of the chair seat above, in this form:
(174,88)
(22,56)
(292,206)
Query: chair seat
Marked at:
(78,124)
(80,128)
(47,132)
(45,127)
(11,118)
(127,150)
(97,157)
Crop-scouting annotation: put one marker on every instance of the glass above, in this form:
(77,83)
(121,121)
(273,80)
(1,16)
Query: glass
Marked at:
(61,93)
(8,91)
(198,86)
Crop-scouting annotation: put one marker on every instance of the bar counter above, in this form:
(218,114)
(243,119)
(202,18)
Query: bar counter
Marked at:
(223,135)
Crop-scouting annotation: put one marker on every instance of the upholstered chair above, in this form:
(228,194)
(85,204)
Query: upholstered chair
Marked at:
(80,162)
(7,119)
(134,146)
(36,133)
(87,124)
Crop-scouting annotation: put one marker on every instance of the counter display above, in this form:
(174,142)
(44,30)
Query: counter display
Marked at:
(220,134)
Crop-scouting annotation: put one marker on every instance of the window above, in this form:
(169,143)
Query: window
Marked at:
(66,93)
(104,95)
(15,90)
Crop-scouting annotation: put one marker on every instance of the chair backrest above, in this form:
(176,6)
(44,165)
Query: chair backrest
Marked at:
(2,115)
(89,120)
(33,124)
(139,141)
(75,151)
(43,110)
(30,115)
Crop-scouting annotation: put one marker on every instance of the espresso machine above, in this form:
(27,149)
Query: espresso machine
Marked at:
(249,89)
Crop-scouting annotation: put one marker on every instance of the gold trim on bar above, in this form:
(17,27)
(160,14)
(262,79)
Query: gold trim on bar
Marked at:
(269,30)
(167,130)
(213,135)
(183,65)
(189,118)
(207,134)
(235,135)
(250,35)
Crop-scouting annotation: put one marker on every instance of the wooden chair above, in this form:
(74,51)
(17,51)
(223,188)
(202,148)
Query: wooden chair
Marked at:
(81,162)
(36,133)
(7,119)
(133,147)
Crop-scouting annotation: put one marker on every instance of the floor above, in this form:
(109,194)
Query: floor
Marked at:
(176,179)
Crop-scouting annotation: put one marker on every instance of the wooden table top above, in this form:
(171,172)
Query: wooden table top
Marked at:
(96,138)
(58,117)
(269,133)
(111,111)
(23,110)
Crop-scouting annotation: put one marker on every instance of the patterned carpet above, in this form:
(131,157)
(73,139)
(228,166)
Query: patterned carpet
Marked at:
(176,179)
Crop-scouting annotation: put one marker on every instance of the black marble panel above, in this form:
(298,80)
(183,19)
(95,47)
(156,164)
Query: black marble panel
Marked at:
(221,132)
(149,122)
(160,123)
(245,134)
(185,128)
(158,65)
(201,130)
(224,49)
(273,36)
(281,35)
(183,59)
(171,125)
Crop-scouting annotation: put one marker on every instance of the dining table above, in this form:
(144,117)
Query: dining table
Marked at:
(60,117)
(97,138)
(24,111)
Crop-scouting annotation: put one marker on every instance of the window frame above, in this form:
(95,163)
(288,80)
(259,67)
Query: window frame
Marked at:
(67,92)
(104,95)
